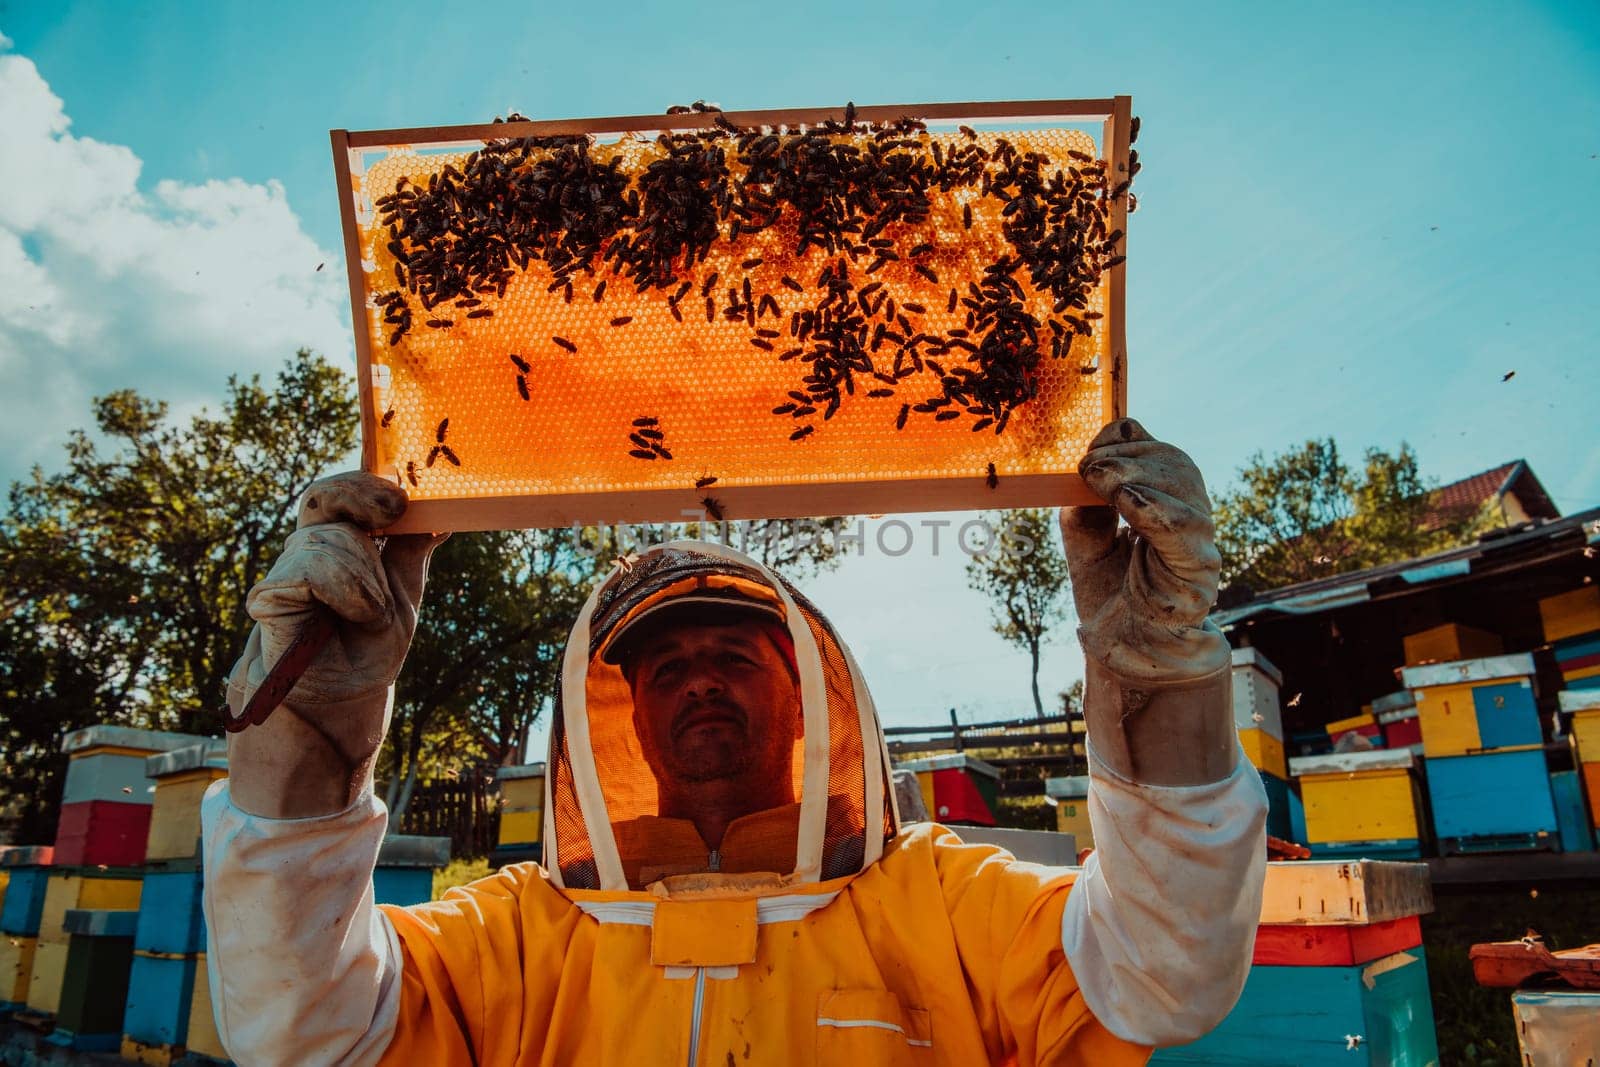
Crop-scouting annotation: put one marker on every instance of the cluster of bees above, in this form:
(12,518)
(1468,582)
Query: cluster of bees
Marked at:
(840,189)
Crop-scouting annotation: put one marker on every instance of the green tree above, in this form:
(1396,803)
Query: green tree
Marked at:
(484,663)
(1306,514)
(123,576)
(1024,577)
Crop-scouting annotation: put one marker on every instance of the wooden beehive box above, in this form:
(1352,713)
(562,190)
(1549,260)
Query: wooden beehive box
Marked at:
(749,315)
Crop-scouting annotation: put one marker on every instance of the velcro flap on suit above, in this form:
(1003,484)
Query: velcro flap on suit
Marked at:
(703,933)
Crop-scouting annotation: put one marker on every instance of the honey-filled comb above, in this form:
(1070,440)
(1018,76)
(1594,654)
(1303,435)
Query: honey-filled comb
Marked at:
(793,313)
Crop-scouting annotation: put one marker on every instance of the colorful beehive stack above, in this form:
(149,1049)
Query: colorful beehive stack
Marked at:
(94,986)
(1572,626)
(1397,716)
(406,863)
(169,941)
(521,814)
(1070,797)
(1450,642)
(1259,720)
(1360,804)
(1583,707)
(957,789)
(1339,976)
(1488,784)
(20,911)
(105,803)
(72,889)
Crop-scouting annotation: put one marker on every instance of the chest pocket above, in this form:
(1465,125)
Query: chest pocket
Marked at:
(871,1026)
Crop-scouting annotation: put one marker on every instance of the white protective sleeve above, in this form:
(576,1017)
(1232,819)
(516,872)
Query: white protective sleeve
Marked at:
(304,970)
(1161,925)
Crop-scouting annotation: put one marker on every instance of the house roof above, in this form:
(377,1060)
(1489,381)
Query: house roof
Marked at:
(1470,494)
(1494,551)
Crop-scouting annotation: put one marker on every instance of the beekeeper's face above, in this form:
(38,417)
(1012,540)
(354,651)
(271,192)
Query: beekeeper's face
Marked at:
(714,702)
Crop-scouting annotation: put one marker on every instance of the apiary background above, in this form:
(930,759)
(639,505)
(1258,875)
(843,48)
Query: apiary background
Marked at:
(542,439)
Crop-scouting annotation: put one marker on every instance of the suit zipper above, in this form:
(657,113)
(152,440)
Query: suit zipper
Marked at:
(694,1023)
(713,862)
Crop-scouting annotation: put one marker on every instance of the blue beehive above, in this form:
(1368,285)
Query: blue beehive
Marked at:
(402,885)
(404,873)
(1492,801)
(1508,715)
(159,990)
(170,918)
(1374,1014)
(24,900)
(1571,813)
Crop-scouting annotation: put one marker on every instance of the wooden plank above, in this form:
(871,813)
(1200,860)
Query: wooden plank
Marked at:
(558,510)
(1335,946)
(348,194)
(1344,892)
(1114,145)
(994,111)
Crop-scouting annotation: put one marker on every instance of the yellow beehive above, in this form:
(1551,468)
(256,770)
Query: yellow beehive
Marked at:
(1071,799)
(1586,734)
(1449,720)
(1451,642)
(1570,614)
(1358,796)
(182,778)
(521,804)
(16,966)
(150,1055)
(64,892)
(1264,751)
(203,1036)
(49,973)
(573,372)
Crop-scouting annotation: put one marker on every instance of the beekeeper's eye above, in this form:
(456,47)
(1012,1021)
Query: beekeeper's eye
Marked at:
(665,670)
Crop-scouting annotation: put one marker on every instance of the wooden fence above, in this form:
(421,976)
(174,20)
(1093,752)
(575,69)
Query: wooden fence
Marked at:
(1026,751)
(466,809)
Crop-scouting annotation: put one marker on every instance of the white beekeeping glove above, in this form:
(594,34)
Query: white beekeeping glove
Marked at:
(314,755)
(1157,689)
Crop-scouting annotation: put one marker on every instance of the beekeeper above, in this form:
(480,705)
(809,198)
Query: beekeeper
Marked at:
(726,880)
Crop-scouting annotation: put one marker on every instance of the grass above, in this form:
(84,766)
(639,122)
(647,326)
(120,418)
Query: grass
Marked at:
(459,872)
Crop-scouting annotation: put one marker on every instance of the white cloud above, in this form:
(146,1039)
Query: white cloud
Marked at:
(104,285)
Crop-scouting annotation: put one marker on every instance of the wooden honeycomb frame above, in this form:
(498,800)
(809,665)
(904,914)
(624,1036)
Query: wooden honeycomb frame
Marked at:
(776,498)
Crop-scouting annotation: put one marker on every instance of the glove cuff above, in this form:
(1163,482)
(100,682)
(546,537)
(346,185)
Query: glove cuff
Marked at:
(306,761)
(1173,733)
(1146,652)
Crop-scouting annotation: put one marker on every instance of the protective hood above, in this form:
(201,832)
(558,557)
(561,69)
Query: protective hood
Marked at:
(603,825)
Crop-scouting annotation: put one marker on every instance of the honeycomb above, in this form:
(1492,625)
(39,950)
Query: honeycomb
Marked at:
(574,369)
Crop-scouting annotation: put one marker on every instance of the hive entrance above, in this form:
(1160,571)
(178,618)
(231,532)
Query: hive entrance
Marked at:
(800,313)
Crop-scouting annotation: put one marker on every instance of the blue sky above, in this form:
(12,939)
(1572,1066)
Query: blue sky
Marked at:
(1354,218)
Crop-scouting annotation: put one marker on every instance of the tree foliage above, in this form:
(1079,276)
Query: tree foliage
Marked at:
(123,576)
(1024,577)
(1306,513)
